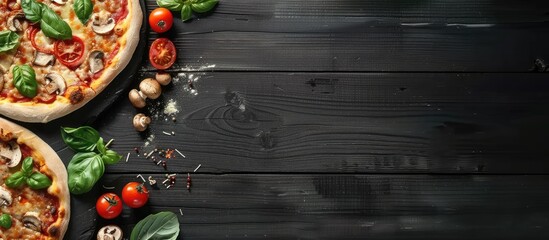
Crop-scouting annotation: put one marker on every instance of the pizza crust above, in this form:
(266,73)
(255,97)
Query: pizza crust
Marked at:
(33,112)
(55,169)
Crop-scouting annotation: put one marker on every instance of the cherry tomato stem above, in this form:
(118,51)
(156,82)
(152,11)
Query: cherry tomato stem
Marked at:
(161,20)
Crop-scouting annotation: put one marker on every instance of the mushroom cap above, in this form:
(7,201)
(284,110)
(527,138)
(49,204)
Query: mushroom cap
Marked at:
(43,59)
(151,88)
(15,21)
(112,231)
(5,197)
(32,221)
(96,61)
(163,78)
(60,2)
(11,152)
(56,83)
(136,99)
(141,122)
(103,26)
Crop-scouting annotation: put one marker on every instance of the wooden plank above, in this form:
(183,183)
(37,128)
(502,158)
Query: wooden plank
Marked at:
(357,36)
(344,207)
(313,122)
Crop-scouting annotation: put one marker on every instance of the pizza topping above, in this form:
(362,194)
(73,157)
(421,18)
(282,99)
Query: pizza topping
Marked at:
(24,79)
(70,52)
(43,59)
(11,152)
(8,41)
(60,2)
(5,197)
(5,221)
(141,122)
(15,21)
(109,232)
(39,41)
(55,83)
(32,221)
(103,26)
(96,61)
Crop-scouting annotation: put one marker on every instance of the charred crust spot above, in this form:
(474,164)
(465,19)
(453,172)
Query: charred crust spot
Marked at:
(76,96)
(53,231)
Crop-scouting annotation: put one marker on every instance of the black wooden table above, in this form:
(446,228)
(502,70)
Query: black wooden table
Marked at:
(345,119)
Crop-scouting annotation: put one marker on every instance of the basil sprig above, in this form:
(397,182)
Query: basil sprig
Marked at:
(51,24)
(83,10)
(188,6)
(24,79)
(88,164)
(32,10)
(34,180)
(8,41)
(163,225)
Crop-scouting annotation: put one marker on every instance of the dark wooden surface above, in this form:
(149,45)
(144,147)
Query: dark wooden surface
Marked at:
(347,119)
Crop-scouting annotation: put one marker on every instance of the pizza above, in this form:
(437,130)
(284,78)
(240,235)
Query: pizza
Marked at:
(34,195)
(56,55)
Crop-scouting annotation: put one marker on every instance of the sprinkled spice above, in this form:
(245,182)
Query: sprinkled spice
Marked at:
(151,181)
(189,182)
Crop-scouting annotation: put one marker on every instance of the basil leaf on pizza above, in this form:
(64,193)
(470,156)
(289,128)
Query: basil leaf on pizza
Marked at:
(34,180)
(24,79)
(83,10)
(84,138)
(173,5)
(204,5)
(8,41)
(38,181)
(16,180)
(84,170)
(26,168)
(32,10)
(186,12)
(53,26)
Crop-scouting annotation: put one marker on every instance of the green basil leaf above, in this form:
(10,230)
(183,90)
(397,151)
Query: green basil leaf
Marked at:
(32,10)
(173,5)
(160,226)
(82,139)
(186,12)
(8,41)
(38,181)
(84,170)
(204,6)
(83,10)
(5,221)
(26,168)
(16,180)
(53,26)
(101,146)
(24,79)
(111,157)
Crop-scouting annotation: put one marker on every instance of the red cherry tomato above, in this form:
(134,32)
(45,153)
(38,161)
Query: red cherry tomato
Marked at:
(108,206)
(162,53)
(70,52)
(33,30)
(135,194)
(161,20)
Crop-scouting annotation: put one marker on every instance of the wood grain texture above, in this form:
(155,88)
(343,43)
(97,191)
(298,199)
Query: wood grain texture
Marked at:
(373,36)
(333,123)
(309,206)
